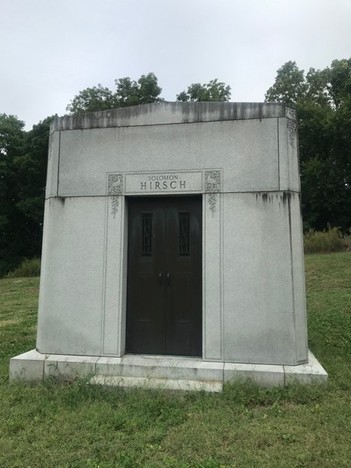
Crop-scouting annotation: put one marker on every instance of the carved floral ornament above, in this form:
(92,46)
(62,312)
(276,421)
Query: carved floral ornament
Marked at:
(115,190)
(209,182)
(212,186)
(291,125)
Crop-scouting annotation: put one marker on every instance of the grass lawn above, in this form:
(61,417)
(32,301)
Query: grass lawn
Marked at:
(83,426)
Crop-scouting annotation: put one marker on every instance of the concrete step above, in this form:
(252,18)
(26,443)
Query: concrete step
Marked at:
(160,384)
(160,367)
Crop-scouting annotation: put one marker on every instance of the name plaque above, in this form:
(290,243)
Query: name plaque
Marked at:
(158,182)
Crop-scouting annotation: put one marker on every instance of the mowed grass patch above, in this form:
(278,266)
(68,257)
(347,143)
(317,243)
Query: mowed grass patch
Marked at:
(79,425)
(18,316)
(328,279)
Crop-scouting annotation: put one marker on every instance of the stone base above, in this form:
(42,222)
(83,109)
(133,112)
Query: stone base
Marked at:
(167,372)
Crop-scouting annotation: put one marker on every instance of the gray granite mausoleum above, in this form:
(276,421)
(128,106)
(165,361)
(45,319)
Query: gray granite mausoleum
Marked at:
(172,249)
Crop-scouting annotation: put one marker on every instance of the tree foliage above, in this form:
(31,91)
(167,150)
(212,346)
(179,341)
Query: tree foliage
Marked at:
(144,91)
(23,159)
(11,135)
(322,99)
(11,145)
(128,93)
(289,85)
(213,91)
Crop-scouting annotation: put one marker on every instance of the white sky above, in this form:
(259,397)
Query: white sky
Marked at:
(50,50)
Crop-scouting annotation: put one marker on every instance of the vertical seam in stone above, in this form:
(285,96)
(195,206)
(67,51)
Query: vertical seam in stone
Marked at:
(104,275)
(121,279)
(58,166)
(292,277)
(221,260)
(204,202)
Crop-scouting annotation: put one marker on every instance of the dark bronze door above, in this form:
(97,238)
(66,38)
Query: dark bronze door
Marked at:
(164,298)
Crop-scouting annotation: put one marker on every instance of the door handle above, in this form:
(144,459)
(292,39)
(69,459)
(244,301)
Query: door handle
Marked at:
(168,279)
(160,278)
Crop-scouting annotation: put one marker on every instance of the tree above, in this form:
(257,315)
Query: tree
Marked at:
(322,99)
(340,82)
(23,159)
(11,135)
(31,168)
(92,99)
(213,91)
(289,85)
(11,145)
(128,93)
(144,91)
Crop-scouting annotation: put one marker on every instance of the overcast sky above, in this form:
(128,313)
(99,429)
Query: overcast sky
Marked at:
(50,50)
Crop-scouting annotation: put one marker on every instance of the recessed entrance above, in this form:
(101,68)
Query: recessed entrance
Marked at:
(164,296)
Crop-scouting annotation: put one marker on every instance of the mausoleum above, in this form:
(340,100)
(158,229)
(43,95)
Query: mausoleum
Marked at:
(172,249)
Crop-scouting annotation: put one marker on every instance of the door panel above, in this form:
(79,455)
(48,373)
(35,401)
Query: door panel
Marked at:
(143,267)
(164,302)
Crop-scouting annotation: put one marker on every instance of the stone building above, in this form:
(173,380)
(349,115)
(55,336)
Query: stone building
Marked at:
(172,249)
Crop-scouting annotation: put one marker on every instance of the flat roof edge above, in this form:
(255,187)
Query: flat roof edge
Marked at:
(162,113)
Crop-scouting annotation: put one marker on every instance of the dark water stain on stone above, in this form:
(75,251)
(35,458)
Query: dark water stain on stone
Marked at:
(286,197)
(266,197)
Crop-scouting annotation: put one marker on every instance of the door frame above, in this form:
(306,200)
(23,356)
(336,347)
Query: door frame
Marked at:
(114,264)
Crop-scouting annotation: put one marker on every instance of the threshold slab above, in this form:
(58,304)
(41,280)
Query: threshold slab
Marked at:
(159,384)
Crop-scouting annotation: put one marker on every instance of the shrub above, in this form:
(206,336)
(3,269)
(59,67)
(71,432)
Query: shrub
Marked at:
(330,240)
(347,241)
(29,267)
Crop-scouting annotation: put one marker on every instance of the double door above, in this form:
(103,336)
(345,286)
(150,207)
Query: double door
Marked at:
(164,291)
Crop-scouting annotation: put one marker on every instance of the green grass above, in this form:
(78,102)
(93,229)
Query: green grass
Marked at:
(246,426)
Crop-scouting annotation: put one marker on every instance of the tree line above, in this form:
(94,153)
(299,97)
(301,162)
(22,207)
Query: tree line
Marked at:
(322,99)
